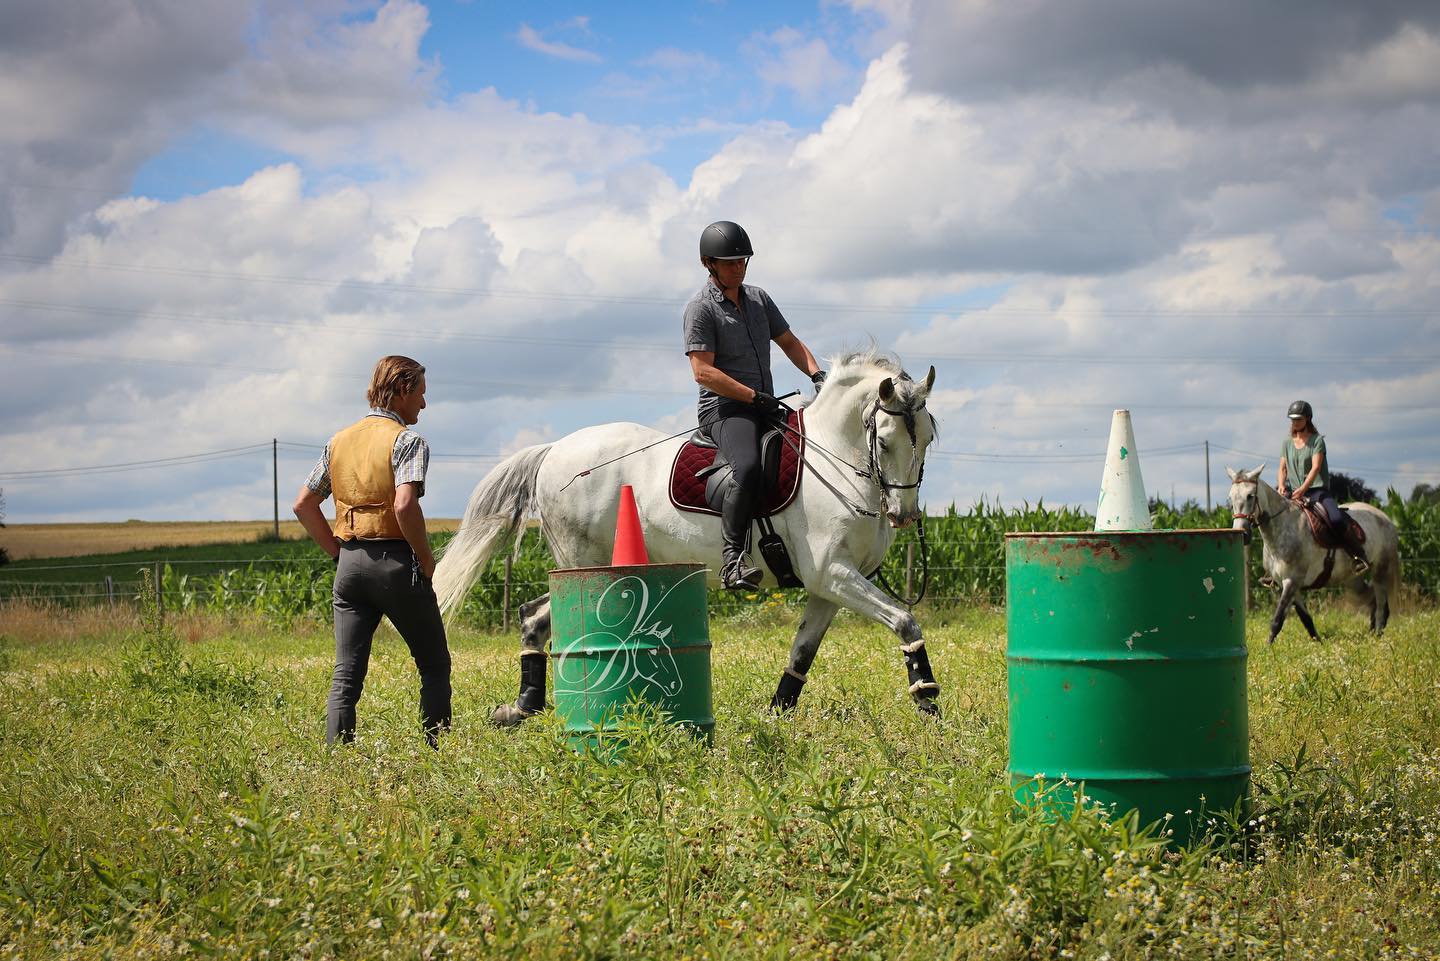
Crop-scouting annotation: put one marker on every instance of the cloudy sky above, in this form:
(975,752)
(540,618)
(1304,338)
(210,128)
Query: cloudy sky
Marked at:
(216,214)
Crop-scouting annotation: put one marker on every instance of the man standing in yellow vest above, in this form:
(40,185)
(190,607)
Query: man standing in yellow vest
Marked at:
(376,470)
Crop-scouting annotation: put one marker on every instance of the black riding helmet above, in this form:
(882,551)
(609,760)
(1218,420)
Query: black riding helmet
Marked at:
(725,240)
(1299,409)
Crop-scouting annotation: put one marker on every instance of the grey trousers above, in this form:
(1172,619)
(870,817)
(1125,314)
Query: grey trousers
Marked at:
(374,579)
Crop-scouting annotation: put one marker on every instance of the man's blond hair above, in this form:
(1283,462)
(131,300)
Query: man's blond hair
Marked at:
(394,375)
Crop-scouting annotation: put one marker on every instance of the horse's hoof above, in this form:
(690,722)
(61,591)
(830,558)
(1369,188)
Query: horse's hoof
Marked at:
(508,715)
(927,706)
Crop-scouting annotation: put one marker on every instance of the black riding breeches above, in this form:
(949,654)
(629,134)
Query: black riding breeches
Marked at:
(1323,499)
(738,437)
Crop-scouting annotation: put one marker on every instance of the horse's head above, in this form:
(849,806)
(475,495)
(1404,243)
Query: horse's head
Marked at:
(1245,499)
(871,406)
(898,430)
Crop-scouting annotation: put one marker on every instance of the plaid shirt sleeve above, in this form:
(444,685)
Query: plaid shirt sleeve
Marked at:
(411,459)
(319,479)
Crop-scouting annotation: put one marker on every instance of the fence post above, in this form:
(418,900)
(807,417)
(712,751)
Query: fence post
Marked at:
(275,481)
(110,589)
(1207,475)
(159,591)
(505,599)
(1245,581)
(910,569)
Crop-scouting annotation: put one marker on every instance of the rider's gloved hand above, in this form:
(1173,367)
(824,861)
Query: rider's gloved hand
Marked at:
(766,403)
(818,379)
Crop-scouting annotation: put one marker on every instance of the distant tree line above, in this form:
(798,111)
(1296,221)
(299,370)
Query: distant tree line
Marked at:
(1347,488)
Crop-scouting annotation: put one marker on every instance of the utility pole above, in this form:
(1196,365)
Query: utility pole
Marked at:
(275,480)
(1207,475)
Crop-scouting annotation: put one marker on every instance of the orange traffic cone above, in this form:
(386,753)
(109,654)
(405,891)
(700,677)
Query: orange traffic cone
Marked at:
(629,541)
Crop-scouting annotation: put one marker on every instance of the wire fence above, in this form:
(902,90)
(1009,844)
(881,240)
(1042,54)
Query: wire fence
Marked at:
(966,565)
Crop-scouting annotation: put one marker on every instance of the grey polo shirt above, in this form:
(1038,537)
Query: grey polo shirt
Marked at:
(739,339)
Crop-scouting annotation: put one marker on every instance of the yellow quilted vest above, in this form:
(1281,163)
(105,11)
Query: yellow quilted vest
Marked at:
(363,480)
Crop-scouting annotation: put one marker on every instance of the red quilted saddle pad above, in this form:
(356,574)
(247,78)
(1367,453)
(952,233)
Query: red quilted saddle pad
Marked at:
(1320,528)
(687,492)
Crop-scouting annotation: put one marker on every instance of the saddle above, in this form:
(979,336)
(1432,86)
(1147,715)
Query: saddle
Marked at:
(1327,537)
(700,472)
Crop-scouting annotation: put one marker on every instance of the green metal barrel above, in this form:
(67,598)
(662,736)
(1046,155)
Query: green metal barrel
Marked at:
(1126,655)
(626,634)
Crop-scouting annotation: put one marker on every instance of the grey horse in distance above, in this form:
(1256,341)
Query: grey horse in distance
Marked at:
(1297,564)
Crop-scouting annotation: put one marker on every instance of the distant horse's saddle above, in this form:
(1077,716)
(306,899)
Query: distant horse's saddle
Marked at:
(1331,538)
(700,472)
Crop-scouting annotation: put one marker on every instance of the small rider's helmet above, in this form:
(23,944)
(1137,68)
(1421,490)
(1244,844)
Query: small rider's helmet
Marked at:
(725,240)
(1300,409)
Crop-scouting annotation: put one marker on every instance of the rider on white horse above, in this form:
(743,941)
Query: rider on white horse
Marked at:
(1303,457)
(728,329)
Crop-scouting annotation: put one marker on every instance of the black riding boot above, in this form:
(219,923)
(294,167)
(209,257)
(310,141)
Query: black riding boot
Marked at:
(737,573)
(1356,549)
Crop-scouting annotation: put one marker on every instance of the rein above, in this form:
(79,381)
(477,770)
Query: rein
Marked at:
(924,572)
(877,474)
(874,472)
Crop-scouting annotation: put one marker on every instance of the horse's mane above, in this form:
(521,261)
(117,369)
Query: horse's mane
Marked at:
(863,359)
(855,365)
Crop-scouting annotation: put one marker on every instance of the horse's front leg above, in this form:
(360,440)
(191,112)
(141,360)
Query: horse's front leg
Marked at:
(1302,612)
(848,587)
(819,612)
(1288,589)
(534,632)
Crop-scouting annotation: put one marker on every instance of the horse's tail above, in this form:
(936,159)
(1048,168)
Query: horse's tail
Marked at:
(497,507)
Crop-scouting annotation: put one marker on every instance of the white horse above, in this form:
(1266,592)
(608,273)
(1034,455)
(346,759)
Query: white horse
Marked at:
(865,440)
(1296,563)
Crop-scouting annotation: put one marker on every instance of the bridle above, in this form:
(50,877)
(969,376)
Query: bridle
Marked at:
(1260,518)
(872,431)
(877,473)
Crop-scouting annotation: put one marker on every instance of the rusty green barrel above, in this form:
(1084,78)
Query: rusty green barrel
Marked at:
(625,634)
(1126,656)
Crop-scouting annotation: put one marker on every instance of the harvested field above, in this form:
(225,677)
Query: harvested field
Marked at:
(25,541)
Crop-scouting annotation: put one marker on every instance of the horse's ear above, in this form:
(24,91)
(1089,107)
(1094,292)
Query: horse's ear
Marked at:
(930,379)
(887,389)
(1255,474)
(1233,476)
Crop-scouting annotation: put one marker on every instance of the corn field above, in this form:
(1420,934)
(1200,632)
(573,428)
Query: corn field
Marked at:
(965,557)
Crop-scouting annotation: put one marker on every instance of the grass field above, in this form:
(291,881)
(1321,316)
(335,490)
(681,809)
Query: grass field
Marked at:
(165,792)
(28,541)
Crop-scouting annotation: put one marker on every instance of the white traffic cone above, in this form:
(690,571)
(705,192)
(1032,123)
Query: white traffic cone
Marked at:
(1122,505)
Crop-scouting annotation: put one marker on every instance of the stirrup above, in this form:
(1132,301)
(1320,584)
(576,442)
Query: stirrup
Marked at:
(1361,564)
(740,576)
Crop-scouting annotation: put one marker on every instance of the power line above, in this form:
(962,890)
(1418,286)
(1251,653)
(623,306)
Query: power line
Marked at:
(1020,457)
(674,301)
(181,460)
(814,225)
(1381,471)
(530,388)
(533,387)
(977,357)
